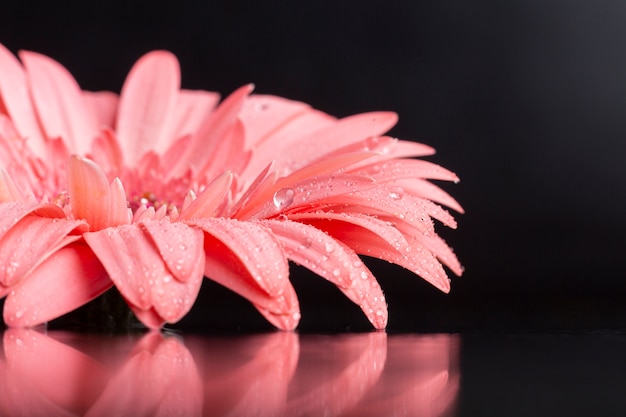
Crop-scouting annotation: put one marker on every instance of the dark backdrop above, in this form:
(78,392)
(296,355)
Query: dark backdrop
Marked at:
(524,99)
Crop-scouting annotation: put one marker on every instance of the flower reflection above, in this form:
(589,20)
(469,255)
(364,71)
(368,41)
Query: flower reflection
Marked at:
(277,374)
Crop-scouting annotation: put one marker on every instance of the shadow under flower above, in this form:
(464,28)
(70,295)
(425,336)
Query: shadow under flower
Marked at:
(275,374)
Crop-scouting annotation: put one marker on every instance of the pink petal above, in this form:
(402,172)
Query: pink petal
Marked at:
(173,155)
(37,299)
(334,261)
(89,192)
(209,200)
(192,109)
(136,266)
(331,164)
(407,168)
(147,102)
(118,205)
(306,193)
(396,203)
(263,115)
(44,236)
(8,190)
(12,212)
(213,131)
(103,104)
(246,258)
(435,244)
(367,230)
(407,149)
(416,258)
(259,187)
(16,100)
(343,132)
(59,101)
(180,246)
(428,190)
(228,155)
(106,152)
(283,137)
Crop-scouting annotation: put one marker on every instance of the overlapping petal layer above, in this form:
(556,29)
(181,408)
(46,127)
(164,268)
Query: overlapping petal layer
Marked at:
(154,189)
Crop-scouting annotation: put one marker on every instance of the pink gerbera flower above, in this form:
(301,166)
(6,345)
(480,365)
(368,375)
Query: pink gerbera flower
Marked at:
(157,188)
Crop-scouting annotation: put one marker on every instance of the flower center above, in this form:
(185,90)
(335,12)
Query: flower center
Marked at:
(146,199)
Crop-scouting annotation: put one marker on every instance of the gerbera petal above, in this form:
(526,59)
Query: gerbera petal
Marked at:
(428,190)
(396,203)
(180,246)
(192,109)
(59,101)
(213,131)
(44,235)
(106,151)
(89,192)
(283,137)
(139,272)
(341,133)
(327,165)
(367,230)
(229,154)
(210,199)
(308,192)
(147,101)
(407,168)
(433,243)
(263,115)
(37,299)
(103,104)
(12,212)
(15,97)
(334,261)
(254,246)
(118,205)
(246,258)
(8,190)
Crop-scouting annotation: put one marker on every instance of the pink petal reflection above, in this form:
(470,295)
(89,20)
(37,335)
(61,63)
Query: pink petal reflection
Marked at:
(277,374)
(249,375)
(159,379)
(421,378)
(59,378)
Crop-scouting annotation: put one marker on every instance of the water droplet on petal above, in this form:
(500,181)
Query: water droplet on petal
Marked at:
(396,193)
(329,247)
(283,198)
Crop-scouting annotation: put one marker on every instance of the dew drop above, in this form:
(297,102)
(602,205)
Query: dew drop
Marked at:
(396,193)
(329,247)
(283,197)
(372,143)
(336,272)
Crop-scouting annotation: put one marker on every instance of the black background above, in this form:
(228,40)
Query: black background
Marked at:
(524,99)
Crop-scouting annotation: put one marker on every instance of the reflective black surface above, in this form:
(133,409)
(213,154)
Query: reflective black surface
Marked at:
(291,374)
